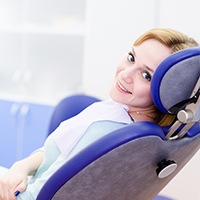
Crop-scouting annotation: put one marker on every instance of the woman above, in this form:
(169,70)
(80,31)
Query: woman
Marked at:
(131,101)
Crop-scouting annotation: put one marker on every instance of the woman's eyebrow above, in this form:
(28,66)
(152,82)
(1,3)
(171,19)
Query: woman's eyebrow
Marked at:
(149,69)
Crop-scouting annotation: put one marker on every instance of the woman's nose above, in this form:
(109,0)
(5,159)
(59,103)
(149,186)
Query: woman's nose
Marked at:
(128,75)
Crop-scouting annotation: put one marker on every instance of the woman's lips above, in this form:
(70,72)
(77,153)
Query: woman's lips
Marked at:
(122,88)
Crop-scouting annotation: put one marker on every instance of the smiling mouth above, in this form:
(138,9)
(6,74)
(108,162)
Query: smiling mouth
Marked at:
(123,88)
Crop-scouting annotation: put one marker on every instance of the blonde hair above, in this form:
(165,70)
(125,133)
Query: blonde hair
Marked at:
(176,41)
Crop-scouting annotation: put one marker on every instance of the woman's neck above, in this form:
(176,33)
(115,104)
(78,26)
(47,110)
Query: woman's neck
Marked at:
(143,116)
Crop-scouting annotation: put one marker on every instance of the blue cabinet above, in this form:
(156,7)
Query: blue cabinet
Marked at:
(23,128)
(8,134)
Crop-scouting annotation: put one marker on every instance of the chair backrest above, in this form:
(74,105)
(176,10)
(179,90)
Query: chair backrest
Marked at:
(124,164)
(69,107)
(121,165)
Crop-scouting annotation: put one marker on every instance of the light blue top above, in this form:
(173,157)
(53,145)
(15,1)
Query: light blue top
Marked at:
(53,158)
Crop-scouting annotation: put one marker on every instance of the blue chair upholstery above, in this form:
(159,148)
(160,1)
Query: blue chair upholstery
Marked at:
(124,164)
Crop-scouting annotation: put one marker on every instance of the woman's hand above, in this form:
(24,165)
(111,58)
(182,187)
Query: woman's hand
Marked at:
(14,180)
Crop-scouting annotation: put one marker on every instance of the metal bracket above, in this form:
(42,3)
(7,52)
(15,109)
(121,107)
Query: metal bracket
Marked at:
(185,117)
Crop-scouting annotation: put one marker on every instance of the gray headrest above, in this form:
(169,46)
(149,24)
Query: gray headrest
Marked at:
(175,78)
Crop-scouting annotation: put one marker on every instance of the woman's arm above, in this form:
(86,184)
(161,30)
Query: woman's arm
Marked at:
(16,178)
(31,163)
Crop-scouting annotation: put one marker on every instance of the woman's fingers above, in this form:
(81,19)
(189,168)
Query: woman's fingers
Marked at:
(10,189)
(20,187)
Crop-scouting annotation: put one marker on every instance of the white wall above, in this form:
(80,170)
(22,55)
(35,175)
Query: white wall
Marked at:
(181,15)
(112,26)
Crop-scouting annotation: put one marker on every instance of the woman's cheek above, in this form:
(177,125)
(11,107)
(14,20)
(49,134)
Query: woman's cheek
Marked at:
(142,91)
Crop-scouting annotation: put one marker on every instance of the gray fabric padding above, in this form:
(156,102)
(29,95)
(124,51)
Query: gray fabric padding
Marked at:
(179,81)
(129,171)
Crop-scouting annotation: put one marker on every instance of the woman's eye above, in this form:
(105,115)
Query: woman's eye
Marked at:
(131,57)
(146,75)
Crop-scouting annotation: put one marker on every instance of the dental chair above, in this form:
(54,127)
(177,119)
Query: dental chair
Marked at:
(137,161)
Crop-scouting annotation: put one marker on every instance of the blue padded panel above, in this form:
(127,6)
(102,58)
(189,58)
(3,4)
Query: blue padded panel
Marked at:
(96,150)
(175,78)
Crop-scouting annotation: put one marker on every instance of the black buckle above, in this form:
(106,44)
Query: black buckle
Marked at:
(181,105)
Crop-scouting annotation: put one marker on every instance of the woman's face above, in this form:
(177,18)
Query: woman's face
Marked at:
(132,80)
